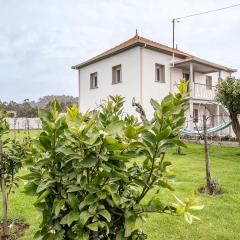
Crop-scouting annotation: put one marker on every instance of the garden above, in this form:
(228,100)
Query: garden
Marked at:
(100,175)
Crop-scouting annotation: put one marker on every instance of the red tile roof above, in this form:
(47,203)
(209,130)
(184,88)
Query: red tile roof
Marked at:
(134,41)
(141,41)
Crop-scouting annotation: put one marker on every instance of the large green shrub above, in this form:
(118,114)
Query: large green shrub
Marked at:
(228,93)
(91,171)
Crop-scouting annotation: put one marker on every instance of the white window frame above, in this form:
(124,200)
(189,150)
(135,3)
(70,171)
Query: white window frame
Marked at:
(117,74)
(93,80)
(195,115)
(209,82)
(160,73)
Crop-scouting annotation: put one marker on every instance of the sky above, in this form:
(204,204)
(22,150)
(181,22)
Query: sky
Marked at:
(41,39)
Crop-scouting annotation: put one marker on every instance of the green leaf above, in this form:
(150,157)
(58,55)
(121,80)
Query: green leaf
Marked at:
(114,127)
(43,195)
(155,104)
(105,214)
(44,114)
(93,226)
(88,200)
(164,134)
(199,207)
(130,132)
(43,185)
(89,124)
(70,218)
(60,205)
(73,188)
(130,223)
(45,141)
(84,216)
(165,185)
(89,161)
(55,106)
(111,140)
(178,143)
(188,217)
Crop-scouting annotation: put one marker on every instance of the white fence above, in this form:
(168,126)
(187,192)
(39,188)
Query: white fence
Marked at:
(203,91)
(24,123)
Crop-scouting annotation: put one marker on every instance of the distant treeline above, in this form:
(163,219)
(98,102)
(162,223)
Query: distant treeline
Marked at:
(30,108)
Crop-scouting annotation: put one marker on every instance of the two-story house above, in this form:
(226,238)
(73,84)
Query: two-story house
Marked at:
(144,69)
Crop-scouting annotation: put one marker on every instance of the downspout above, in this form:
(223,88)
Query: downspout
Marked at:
(141,74)
(79,89)
(171,76)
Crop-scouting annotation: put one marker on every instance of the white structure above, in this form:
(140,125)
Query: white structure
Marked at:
(24,123)
(144,69)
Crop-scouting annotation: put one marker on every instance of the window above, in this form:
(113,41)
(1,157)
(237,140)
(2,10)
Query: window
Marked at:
(186,76)
(117,74)
(209,82)
(160,73)
(93,80)
(195,115)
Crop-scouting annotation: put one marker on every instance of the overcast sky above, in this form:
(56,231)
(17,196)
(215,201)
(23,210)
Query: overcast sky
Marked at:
(41,39)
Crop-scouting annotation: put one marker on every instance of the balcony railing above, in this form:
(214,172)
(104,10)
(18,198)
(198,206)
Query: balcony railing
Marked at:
(203,91)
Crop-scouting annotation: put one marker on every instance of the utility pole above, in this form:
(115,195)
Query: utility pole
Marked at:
(194,15)
(173,39)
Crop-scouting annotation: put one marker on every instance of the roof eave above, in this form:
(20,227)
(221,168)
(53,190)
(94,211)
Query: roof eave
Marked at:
(96,59)
(132,45)
(209,64)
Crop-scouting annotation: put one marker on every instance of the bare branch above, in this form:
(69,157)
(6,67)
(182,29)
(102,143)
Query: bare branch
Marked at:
(140,110)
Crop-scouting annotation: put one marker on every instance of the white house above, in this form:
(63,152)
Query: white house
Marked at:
(144,69)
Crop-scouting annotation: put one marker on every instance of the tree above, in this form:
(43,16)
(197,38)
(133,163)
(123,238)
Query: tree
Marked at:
(92,172)
(228,93)
(11,156)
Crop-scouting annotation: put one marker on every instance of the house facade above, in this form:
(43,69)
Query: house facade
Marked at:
(143,69)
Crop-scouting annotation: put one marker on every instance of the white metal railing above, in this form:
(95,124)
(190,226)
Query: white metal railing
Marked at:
(203,91)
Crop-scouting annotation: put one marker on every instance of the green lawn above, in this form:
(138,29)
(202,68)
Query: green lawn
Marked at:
(220,219)
(20,134)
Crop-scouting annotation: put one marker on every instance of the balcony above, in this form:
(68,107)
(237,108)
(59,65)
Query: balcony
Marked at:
(203,91)
(194,65)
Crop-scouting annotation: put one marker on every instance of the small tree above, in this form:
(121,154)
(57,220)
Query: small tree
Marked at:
(11,155)
(91,172)
(228,93)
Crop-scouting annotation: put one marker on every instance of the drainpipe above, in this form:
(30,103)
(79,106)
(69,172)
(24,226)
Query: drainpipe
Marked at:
(219,76)
(141,74)
(79,89)
(191,83)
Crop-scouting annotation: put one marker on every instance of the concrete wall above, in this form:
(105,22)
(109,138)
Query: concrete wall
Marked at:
(24,123)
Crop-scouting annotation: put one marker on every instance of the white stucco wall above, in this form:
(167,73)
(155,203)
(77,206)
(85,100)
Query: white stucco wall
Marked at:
(201,78)
(151,88)
(129,88)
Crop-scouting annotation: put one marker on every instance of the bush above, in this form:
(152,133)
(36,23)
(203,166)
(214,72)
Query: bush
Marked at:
(91,171)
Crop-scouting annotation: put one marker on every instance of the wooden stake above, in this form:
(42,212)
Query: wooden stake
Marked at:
(207,160)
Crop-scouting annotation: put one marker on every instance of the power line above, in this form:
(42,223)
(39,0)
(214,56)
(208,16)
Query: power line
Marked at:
(196,14)
(210,11)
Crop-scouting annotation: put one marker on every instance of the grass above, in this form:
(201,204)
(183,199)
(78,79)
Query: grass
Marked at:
(220,219)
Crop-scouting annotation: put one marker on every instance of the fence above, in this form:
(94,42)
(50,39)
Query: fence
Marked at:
(204,91)
(24,123)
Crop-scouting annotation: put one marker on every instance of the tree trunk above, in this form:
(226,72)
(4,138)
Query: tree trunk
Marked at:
(4,199)
(235,125)
(207,160)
